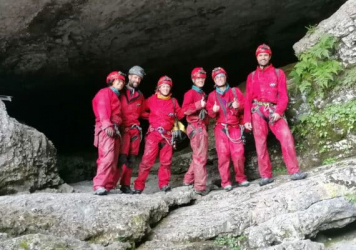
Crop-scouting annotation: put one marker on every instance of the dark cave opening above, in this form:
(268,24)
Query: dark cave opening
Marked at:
(57,101)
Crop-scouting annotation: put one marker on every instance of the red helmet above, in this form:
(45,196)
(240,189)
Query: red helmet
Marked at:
(115,75)
(166,80)
(263,48)
(218,71)
(198,72)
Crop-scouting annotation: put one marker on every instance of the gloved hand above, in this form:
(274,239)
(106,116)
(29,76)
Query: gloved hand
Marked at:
(110,131)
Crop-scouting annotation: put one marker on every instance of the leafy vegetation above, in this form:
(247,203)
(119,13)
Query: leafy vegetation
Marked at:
(329,161)
(235,243)
(351,198)
(316,71)
(335,117)
(311,29)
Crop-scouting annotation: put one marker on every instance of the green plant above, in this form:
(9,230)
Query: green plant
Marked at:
(316,71)
(280,170)
(324,124)
(351,198)
(24,245)
(349,77)
(311,29)
(328,161)
(233,242)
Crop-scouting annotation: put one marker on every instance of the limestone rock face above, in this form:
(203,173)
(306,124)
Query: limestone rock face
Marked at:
(27,157)
(342,24)
(41,241)
(64,36)
(267,215)
(87,217)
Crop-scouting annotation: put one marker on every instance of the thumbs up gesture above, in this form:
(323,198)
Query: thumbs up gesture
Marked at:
(216,108)
(203,102)
(235,104)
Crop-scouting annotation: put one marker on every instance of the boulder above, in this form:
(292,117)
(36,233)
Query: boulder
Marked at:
(269,215)
(27,157)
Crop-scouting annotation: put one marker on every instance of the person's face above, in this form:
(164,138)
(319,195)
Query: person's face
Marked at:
(263,59)
(199,82)
(134,81)
(220,80)
(118,84)
(164,89)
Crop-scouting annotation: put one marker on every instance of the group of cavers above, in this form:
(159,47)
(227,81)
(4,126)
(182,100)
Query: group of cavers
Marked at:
(118,134)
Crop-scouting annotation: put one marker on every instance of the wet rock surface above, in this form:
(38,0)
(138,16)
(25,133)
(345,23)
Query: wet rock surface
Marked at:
(27,157)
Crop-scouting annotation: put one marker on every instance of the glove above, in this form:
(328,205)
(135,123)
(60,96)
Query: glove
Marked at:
(110,131)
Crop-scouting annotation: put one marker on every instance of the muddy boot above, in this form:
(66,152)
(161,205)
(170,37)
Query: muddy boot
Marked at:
(166,188)
(126,189)
(265,181)
(298,176)
(244,184)
(228,188)
(101,191)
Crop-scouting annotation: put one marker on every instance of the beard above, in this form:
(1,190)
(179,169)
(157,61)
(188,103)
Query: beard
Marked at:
(133,85)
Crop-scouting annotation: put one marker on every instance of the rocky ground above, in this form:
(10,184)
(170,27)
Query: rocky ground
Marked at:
(283,215)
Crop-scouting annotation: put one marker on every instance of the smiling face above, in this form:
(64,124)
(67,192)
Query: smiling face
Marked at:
(220,80)
(199,82)
(263,59)
(134,81)
(164,89)
(118,84)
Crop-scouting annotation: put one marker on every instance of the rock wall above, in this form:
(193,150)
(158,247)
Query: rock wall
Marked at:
(27,157)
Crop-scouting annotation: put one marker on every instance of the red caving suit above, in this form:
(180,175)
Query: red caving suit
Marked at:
(197,133)
(107,110)
(132,103)
(161,119)
(224,146)
(269,86)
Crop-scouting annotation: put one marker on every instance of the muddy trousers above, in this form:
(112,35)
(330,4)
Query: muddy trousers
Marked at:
(129,147)
(107,173)
(282,132)
(197,170)
(155,143)
(227,150)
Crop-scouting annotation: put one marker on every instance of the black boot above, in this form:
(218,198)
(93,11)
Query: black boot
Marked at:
(126,190)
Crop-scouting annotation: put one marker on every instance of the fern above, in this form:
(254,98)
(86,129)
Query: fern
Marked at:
(316,71)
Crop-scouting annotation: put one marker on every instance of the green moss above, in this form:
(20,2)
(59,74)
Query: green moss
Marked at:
(279,170)
(24,245)
(351,198)
(234,243)
(317,128)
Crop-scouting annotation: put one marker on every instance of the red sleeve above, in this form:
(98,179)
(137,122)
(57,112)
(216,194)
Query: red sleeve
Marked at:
(144,110)
(282,102)
(189,106)
(179,111)
(248,100)
(209,105)
(103,107)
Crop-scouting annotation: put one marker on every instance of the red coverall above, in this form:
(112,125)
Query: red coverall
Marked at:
(107,110)
(132,110)
(197,133)
(224,146)
(265,86)
(161,116)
